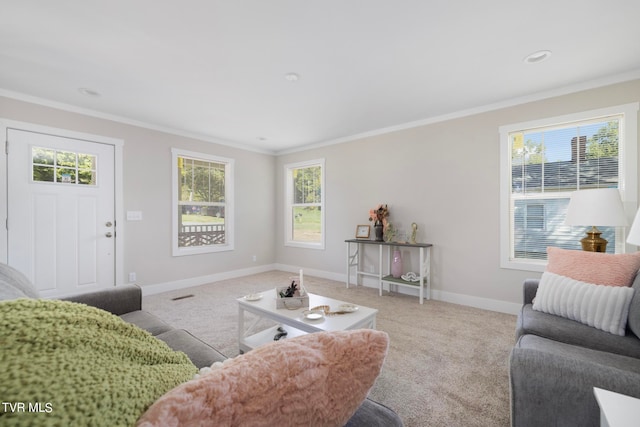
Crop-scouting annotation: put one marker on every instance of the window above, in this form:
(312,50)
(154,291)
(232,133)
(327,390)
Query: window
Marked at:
(304,210)
(66,167)
(202,203)
(543,162)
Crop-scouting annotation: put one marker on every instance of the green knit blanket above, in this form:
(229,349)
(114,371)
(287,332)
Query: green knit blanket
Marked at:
(68,364)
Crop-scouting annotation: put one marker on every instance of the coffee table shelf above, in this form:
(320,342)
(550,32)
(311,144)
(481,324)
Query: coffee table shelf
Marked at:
(293,320)
(266,336)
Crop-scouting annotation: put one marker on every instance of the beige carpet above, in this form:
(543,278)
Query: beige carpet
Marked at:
(446,366)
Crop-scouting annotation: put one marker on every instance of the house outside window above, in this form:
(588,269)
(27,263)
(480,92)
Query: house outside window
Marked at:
(202,203)
(304,204)
(543,162)
(534,217)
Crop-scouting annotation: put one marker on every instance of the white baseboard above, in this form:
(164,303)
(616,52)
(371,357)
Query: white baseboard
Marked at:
(477,302)
(203,280)
(311,272)
(468,300)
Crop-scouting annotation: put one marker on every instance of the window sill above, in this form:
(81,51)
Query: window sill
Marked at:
(317,246)
(201,250)
(539,266)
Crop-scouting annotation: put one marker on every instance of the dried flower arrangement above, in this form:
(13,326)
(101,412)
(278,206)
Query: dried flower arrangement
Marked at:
(379,216)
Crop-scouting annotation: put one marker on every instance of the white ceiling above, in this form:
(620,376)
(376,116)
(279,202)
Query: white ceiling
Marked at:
(216,69)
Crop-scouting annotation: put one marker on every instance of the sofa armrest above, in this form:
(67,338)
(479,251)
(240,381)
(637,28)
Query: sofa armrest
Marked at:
(119,300)
(529,289)
(553,389)
(374,414)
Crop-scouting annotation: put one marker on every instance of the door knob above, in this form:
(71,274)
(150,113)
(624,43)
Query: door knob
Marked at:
(108,234)
(109,224)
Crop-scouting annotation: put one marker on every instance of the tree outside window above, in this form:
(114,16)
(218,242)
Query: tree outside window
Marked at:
(202,192)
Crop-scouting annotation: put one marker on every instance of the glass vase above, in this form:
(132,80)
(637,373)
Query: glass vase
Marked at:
(396,264)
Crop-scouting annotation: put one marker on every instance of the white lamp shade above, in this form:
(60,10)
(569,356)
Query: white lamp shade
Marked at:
(634,232)
(596,207)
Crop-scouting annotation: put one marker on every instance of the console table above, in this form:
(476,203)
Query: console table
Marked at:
(355,251)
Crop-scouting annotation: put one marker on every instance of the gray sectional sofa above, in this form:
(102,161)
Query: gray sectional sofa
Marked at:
(126,302)
(556,363)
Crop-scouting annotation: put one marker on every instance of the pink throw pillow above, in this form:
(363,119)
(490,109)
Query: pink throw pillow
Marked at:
(594,267)
(318,379)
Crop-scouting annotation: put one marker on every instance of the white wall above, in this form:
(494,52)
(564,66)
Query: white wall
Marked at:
(147,188)
(445,177)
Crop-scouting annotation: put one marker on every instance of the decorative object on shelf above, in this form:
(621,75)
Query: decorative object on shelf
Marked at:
(379,232)
(389,233)
(396,265)
(291,291)
(313,314)
(347,308)
(379,216)
(342,309)
(601,206)
(410,277)
(291,303)
(400,236)
(414,233)
(325,308)
(253,297)
(362,231)
(293,296)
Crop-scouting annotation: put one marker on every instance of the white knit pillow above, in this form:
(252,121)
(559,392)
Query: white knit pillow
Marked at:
(602,307)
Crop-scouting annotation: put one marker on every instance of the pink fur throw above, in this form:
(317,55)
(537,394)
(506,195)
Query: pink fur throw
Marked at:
(594,267)
(318,379)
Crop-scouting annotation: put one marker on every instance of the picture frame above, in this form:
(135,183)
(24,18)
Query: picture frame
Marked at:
(362,231)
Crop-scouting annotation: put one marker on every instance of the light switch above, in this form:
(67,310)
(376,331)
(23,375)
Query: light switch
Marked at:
(134,215)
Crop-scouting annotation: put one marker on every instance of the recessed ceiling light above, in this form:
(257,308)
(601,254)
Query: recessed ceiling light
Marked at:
(537,57)
(88,92)
(292,77)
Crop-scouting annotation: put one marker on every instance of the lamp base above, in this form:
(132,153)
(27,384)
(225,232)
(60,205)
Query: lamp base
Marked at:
(593,242)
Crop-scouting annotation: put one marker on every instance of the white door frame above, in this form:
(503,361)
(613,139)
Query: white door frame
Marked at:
(118,145)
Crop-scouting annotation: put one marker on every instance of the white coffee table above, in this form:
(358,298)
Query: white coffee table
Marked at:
(293,321)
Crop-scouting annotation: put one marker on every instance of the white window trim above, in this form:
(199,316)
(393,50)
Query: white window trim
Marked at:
(229,197)
(288,218)
(628,172)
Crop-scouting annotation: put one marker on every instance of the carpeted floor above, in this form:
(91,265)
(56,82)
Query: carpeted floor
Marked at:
(446,366)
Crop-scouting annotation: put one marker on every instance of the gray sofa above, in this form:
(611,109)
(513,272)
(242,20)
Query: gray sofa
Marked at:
(126,302)
(556,362)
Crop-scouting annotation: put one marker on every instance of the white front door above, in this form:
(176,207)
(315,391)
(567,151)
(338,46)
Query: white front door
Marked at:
(61,211)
